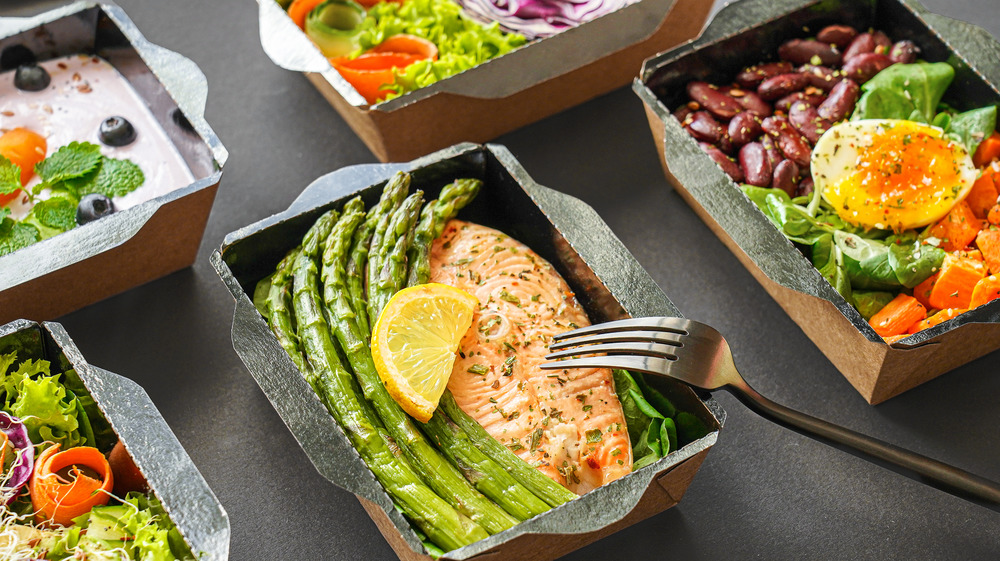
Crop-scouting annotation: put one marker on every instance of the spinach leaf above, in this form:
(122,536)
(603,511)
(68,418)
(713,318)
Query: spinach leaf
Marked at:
(870,302)
(828,259)
(866,261)
(912,261)
(905,91)
(971,127)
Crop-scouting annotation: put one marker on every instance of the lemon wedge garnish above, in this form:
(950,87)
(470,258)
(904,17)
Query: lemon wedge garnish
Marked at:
(414,344)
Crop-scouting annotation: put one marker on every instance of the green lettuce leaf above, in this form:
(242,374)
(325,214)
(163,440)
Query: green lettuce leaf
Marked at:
(971,127)
(48,412)
(462,42)
(870,302)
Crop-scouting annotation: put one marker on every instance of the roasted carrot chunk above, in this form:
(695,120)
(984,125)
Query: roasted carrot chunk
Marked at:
(994,216)
(922,292)
(957,278)
(988,242)
(893,338)
(898,315)
(983,195)
(986,290)
(940,317)
(987,151)
(957,229)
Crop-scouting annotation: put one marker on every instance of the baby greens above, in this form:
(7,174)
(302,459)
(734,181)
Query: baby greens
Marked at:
(913,92)
(655,426)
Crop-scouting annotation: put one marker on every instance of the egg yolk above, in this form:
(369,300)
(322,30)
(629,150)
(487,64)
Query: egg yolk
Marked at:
(907,176)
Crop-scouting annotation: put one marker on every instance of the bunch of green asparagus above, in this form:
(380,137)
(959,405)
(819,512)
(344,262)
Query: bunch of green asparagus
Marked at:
(449,477)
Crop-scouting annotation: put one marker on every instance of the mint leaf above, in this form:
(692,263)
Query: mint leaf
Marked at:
(10,176)
(113,178)
(15,235)
(68,162)
(58,213)
(4,212)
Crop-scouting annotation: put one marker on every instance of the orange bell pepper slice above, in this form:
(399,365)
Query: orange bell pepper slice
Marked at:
(58,500)
(299,9)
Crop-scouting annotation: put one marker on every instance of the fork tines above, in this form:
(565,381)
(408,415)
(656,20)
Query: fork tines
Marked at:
(644,344)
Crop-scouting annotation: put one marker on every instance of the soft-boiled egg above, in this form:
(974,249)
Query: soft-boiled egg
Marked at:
(891,174)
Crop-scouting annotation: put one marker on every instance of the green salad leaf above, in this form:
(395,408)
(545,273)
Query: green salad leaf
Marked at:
(48,411)
(462,42)
(905,91)
(655,426)
(971,127)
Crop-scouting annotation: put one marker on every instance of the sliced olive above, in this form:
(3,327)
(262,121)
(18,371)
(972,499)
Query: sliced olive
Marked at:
(16,55)
(92,207)
(117,131)
(31,78)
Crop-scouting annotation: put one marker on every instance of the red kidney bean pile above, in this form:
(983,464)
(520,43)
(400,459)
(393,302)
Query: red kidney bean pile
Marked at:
(762,128)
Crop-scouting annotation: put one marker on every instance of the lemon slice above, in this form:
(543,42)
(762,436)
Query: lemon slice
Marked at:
(414,344)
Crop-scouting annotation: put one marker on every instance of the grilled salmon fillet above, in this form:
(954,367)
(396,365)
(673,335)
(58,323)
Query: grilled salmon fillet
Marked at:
(568,423)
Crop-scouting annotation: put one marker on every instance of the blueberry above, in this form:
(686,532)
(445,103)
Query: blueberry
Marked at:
(117,131)
(92,207)
(31,78)
(16,55)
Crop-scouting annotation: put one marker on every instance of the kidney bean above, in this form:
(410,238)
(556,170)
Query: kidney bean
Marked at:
(785,176)
(802,51)
(773,154)
(791,143)
(839,35)
(822,77)
(904,52)
(863,43)
(862,67)
(744,128)
(751,102)
(882,43)
(782,85)
(805,187)
(704,127)
(756,167)
(682,112)
(785,103)
(839,104)
(719,103)
(807,121)
(752,76)
(727,164)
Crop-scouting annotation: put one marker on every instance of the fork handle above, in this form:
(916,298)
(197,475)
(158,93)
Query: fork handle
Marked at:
(915,466)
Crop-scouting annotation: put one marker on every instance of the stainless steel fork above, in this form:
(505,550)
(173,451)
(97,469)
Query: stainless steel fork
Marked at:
(697,354)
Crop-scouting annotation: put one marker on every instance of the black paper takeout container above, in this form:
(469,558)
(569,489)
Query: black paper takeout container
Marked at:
(128,248)
(168,470)
(748,32)
(607,281)
(501,95)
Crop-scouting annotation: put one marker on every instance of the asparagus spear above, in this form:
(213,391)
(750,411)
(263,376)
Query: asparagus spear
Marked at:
(483,472)
(392,255)
(432,467)
(543,487)
(392,196)
(279,307)
(439,521)
(433,217)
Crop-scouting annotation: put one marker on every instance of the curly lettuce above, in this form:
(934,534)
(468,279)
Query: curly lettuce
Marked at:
(462,42)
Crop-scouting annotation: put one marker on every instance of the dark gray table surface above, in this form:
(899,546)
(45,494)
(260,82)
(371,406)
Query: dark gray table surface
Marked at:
(763,493)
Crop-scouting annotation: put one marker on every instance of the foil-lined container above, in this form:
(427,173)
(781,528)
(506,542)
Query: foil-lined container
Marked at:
(748,32)
(168,470)
(500,95)
(607,280)
(136,245)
